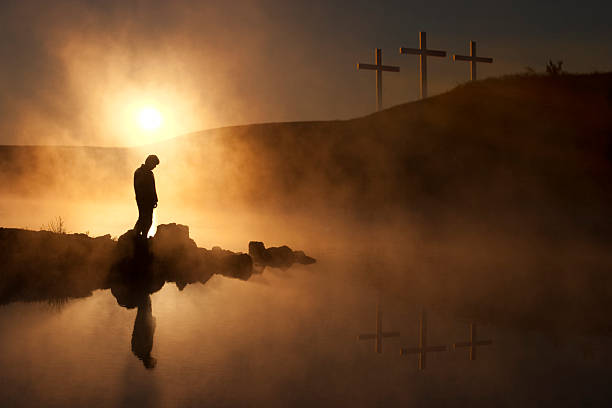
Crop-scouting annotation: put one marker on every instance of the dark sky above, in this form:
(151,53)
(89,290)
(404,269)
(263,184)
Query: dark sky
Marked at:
(75,72)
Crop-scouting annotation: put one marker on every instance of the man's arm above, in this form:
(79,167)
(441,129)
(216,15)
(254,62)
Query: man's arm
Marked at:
(154,192)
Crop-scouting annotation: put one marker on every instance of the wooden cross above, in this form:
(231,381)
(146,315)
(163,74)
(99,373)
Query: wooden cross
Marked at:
(379,68)
(473,59)
(378,336)
(473,343)
(423,52)
(423,348)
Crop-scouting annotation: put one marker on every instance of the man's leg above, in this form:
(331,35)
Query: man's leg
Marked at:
(138,225)
(146,220)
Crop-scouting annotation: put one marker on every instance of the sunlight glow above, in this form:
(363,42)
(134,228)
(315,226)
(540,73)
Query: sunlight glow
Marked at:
(150,118)
(153,228)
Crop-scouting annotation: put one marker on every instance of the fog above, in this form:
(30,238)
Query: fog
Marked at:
(488,204)
(510,217)
(285,338)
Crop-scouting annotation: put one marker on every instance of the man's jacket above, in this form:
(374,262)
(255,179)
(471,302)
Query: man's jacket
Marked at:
(144,186)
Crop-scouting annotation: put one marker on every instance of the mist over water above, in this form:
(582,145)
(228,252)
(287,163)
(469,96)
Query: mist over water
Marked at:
(499,228)
(284,338)
(288,338)
(483,210)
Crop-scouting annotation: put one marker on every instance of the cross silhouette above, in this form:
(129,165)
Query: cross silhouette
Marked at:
(473,59)
(423,53)
(379,68)
(423,348)
(473,343)
(379,335)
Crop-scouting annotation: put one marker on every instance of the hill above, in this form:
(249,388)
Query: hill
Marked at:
(534,147)
(479,145)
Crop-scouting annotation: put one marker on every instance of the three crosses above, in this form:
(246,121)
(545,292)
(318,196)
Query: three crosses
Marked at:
(423,348)
(423,52)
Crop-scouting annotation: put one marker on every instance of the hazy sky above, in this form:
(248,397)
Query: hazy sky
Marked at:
(78,72)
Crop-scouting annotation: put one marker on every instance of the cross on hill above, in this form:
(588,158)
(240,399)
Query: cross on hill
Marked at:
(423,348)
(423,53)
(379,68)
(473,59)
(379,335)
(473,343)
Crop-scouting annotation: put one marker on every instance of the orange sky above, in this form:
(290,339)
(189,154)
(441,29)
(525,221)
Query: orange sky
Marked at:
(78,72)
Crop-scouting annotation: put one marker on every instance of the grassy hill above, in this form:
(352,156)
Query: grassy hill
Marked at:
(536,146)
(540,146)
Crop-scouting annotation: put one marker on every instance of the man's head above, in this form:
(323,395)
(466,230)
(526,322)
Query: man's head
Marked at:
(151,162)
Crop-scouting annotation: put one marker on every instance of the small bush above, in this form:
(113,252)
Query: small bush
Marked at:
(55,225)
(554,69)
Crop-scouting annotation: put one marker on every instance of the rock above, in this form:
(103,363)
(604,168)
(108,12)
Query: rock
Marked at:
(302,258)
(278,257)
(174,235)
(106,237)
(257,251)
(40,264)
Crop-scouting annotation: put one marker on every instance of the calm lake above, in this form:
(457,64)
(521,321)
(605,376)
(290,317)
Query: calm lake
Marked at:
(288,338)
(284,338)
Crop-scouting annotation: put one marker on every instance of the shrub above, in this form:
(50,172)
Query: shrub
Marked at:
(55,225)
(554,69)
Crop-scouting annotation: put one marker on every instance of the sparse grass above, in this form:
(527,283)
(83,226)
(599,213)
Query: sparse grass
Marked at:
(56,225)
(58,304)
(554,69)
(529,71)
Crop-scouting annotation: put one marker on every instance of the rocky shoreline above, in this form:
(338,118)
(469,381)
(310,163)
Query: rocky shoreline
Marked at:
(43,265)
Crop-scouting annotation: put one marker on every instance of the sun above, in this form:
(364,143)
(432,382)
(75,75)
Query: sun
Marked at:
(150,118)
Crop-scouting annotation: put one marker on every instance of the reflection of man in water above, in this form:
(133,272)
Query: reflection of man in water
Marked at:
(142,336)
(146,196)
(133,291)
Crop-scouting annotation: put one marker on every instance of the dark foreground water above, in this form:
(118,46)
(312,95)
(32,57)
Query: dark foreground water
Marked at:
(284,338)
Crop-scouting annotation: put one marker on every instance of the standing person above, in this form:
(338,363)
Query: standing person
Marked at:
(146,196)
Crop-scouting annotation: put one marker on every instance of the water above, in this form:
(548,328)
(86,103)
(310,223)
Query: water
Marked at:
(285,338)
(289,338)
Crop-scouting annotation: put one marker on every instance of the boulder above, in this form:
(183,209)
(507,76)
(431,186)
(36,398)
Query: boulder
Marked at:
(277,257)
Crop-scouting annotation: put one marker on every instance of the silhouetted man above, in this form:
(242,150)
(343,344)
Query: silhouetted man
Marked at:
(146,196)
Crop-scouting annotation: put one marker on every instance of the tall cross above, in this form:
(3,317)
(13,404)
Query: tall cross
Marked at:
(473,59)
(378,336)
(423,348)
(473,343)
(423,53)
(379,68)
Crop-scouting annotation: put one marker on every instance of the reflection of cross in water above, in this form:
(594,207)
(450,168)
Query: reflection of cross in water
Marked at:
(378,336)
(473,343)
(423,348)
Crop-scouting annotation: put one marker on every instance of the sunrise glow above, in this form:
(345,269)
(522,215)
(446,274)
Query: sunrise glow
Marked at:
(257,203)
(150,119)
